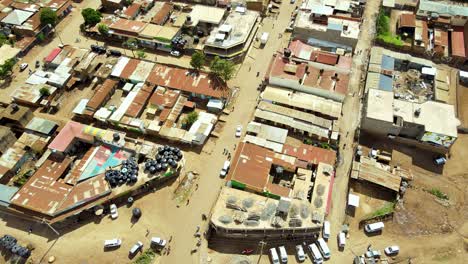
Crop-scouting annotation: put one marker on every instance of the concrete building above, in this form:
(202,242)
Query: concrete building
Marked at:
(234,36)
(455,12)
(407,113)
(335,22)
(321,77)
(15,116)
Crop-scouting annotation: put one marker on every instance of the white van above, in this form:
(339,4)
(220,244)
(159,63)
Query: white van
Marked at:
(283,254)
(274,256)
(326,230)
(300,253)
(110,243)
(264,38)
(323,248)
(341,239)
(225,168)
(137,247)
(315,253)
(375,227)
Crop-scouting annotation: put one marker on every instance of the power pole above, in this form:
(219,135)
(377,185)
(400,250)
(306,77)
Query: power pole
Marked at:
(262,244)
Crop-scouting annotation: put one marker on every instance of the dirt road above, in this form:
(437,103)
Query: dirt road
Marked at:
(351,117)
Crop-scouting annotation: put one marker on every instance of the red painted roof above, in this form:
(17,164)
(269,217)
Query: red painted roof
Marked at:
(324,57)
(132,10)
(458,42)
(67,134)
(52,55)
(311,154)
(181,79)
(279,67)
(160,16)
(327,80)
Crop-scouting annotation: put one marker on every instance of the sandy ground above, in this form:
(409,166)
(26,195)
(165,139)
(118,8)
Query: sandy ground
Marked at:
(462,107)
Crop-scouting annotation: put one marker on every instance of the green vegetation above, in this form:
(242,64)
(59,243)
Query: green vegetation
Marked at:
(383,30)
(161,39)
(384,210)
(197,60)
(103,29)
(438,193)
(44,91)
(6,68)
(325,145)
(131,44)
(222,69)
(22,179)
(41,36)
(48,16)
(146,257)
(4,40)
(190,119)
(141,54)
(91,17)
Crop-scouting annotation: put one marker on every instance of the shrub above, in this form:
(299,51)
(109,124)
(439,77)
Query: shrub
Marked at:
(438,193)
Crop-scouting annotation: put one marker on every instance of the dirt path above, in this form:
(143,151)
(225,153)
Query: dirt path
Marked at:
(351,117)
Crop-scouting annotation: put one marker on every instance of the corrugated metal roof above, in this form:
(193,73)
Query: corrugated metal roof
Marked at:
(6,193)
(444,8)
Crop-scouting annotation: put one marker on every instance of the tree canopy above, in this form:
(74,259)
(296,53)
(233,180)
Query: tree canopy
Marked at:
(103,29)
(7,67)
(48,16)
(44,91)
(91,16)
(222,69)
(197,61)
(191,118)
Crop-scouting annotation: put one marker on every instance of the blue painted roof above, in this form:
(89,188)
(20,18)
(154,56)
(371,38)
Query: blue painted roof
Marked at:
(6,193)
(323,43)
(388,63)
(335,26)
(385,83)
(445,8)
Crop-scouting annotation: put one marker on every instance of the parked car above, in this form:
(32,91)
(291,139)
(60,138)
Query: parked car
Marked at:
(137,247)
(326,230)
(375,227)
(110,243)
(342,239)
(175,53)
(292,1)
(238,130)
(300,253)
(283,254)
(98,49)
(113,211)
(225,168)
(440,160)
(158,242)
(274,256)
(116,53)
(392,250)
(23,66)
(373,254)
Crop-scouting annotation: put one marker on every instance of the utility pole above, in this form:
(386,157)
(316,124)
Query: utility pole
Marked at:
(262,244)
(53,229)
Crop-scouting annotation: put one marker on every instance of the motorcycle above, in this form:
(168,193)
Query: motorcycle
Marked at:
(247,251)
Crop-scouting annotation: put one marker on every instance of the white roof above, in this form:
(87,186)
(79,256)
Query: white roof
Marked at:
(429,71)
(215,103)
(119,67)
(464,74)
(81,106)
(207,14)
(17,17)
(220,36)
(102,114)
(353,200)
(128,87)
(240,9)
(225,28)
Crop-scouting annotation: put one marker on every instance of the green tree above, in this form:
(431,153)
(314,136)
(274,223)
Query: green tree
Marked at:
(222,69)
(131,44)
(44,91)
(41,36)
(48,16)
(141,54)
(103,29)
(91,17)
(190,118)
(197,61)
(6,68)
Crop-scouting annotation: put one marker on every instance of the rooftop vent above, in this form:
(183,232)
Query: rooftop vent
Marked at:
(417,112)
